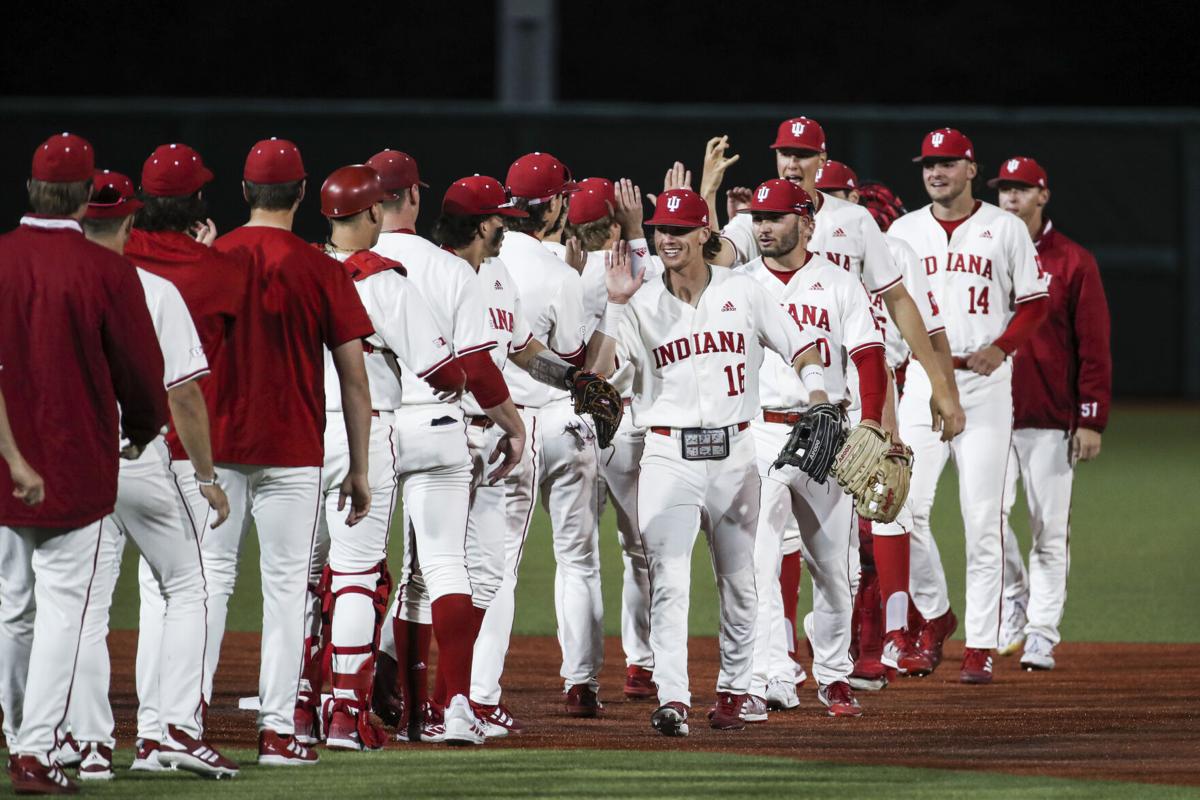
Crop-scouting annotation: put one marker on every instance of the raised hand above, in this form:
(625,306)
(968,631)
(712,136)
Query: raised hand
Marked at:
(715,164)
(736,199)
(677,177)
(619,279)
(629,212)
(574,256)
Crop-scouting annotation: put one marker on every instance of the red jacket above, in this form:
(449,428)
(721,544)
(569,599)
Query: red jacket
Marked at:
(75,339)
(212,286)
(1062,377)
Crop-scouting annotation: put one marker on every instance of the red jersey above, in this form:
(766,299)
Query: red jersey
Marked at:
(212,285)
(75,339)
(268,384)
(1062,377)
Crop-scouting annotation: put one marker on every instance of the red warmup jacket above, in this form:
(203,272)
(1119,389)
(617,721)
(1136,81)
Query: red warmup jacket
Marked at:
(1062,376)
(75,339)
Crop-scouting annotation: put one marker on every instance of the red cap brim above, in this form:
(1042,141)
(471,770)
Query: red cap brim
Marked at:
(122,209)
(994,182)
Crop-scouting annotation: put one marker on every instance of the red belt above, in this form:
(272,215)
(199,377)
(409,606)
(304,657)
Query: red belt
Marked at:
(627,402)
(782,417)
(374,413)
(959,362)
(662,431)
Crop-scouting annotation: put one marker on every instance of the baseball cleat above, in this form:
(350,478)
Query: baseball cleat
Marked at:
(497,721)
(670,719)
(902,655)
(460,726)
(96,763)
(1038,655)
(30,776)
(67,754)
(976,666)
(1012,628)
(145,757)
(933,635)
(639,683)
(583,701)
(754,709)
(178,750)
(726,715)
(349,731)
(781,695)
(433,724)
(282,750)
(869,675)
(839,699)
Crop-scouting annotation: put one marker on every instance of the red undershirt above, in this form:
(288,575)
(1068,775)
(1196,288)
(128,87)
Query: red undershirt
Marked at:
(787,275)
(951,225)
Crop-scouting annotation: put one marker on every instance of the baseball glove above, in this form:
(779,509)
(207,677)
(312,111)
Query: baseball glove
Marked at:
(596,396)
(888,488)
(814,441)
(855,465)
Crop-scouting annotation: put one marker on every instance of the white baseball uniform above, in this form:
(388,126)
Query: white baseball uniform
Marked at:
(151,511)
(564,468)
(831,306)
(698,367)
(978,276)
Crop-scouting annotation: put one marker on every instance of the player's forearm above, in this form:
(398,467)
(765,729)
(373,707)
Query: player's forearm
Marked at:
(889,421)
(507,418)
(8,443)
(189,415)
(1024,323)
(943,360)
(544,365)
(907,316)
(356,402)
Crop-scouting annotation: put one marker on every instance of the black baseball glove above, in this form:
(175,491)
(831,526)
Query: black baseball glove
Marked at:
(814,441)
(596,396)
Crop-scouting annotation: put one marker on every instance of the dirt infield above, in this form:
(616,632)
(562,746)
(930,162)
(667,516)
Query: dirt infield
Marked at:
(1110,711)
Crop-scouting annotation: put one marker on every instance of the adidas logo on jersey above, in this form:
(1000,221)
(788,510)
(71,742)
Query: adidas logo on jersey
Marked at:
(499,287)
(728,306)
(839,232)
(985,235)
(640,252)
(816,287)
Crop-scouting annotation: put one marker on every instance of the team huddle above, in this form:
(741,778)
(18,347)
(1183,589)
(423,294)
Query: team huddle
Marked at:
(164,384)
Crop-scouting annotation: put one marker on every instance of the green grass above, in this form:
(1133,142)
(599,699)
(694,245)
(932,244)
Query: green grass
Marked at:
(604,773)
(1133,541)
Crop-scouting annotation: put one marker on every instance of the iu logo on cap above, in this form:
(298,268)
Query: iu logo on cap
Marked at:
(1013,164)
(797,128)
(763,191)
(673,203)
(937,139)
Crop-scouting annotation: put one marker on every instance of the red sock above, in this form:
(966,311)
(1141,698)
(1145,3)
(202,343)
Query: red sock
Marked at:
(400,634)
(789,586)
(416,664)
(891,562)
(866,544)
(454,626)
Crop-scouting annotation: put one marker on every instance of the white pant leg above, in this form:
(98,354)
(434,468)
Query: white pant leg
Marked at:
(520,494)
(285,504)
(571,497)
(486,518)
(775,509)
(1016,580)
(671,495)
(981,455)
(927,579)
(151,613)
(58,567)
(17,610)
(1049,474)
(619,466)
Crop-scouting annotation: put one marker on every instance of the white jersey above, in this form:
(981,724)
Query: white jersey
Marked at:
(978,278)
(595,292)
(918,287)
(559,249)
(453,295)
(505,319)
(831,306)
(699,367)
(405,331)
(552,299)
(844,233)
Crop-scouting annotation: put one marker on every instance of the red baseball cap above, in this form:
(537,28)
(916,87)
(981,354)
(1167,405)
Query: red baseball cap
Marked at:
(65,158)
(800,133)
(1020,169)
(174,170)
(680,208)
(836,175)
(537,177)
(596,199)
(397,170)
(274,161)
(479,195)
(780,196)
(112,196)
(946,143)
(349,190)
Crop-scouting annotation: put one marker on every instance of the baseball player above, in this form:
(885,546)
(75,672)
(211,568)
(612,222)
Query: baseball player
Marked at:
(992,294)
(267,429)
(433,459)
(64,385)
(695,339)
(562,456)
(830,304)
(151,510)
(1062,385)
(28,486)
(170,239)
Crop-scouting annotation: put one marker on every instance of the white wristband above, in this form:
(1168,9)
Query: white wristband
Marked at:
(613,314)
(813,378)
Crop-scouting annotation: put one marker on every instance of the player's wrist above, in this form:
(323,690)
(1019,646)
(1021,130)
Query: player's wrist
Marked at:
(205,481)
(614,313)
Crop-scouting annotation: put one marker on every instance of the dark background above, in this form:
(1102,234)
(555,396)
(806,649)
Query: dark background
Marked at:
(1106,101)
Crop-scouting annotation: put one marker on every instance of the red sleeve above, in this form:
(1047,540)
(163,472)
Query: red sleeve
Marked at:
(872,380)
(448,377)
(134,359)
(1029,316)
(345,319)
(1093,357)
(484,379)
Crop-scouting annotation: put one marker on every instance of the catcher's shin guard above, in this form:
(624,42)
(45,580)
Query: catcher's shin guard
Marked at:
(312,672)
